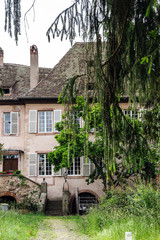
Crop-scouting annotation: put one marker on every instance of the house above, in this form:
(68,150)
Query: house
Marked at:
(28,114)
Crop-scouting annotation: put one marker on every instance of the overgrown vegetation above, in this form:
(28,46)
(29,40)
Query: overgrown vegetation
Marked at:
(133,210)
(122,64)
(72,142)
(14,225)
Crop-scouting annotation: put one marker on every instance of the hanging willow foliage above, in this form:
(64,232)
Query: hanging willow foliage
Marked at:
(13,13)
(125,62)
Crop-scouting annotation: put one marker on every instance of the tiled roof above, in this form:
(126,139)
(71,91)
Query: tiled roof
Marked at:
(51,81)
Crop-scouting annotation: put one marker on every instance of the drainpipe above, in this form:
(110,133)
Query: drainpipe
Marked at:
(1,57)
(77,200)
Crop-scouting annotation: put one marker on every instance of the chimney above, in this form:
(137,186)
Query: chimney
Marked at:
(1,57)
(34,76)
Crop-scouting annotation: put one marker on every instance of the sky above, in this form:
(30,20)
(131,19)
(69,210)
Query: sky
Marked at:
(39,21)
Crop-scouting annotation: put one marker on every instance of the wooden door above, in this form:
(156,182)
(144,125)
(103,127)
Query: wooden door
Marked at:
(10,164)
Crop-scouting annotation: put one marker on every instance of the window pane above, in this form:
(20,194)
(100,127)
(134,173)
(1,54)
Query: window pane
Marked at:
(70,171)
(77,119)
(48,121)
(48,168)
(41,121)
(132,114)
(45,168)
(41,168)
(75,168)
(45,121)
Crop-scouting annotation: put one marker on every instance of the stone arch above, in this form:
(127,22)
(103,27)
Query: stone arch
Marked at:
(83,191)
(10,196)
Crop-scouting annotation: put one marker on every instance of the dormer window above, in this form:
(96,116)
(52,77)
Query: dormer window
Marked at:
(6,90)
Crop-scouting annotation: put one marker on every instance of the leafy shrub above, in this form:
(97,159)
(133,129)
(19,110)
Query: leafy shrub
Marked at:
(136,210)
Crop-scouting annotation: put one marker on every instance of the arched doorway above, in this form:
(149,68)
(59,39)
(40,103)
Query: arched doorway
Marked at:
(86,200)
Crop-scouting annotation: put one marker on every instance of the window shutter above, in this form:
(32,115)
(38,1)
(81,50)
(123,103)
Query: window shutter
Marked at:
(64,170)
(86,167)
(14,122)
(83,123)
(32,164)
(7,125)
(57,118)
(32,121)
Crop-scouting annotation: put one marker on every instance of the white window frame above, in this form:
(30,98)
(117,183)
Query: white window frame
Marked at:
(130,113)
(55,111)
(75,118)
(45,122)
(45,167)
(11,123)
(74,168)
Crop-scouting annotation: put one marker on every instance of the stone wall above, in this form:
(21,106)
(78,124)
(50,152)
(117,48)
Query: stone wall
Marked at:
(20,188)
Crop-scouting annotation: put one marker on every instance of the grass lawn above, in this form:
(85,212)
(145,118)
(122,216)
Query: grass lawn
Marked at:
(16,226)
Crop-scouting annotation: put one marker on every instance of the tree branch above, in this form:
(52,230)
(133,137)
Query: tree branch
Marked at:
(25,18)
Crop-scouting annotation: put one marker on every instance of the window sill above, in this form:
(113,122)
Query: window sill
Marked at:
(45,176)
(42,134)
(10,135)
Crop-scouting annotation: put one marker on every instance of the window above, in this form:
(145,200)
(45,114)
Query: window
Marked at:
(133,114)
(6,90)
(75,168)
(75,118)
(44,167)
(88,167)
(10,123)
(45,121)
(57,118)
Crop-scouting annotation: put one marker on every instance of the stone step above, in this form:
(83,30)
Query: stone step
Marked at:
(53,213)
(54,208)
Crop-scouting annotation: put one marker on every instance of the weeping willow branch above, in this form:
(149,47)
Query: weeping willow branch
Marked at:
(25,18)
(119,46)
(67,93)
(121,36)
(133,130)
(13,13)
(54,29)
